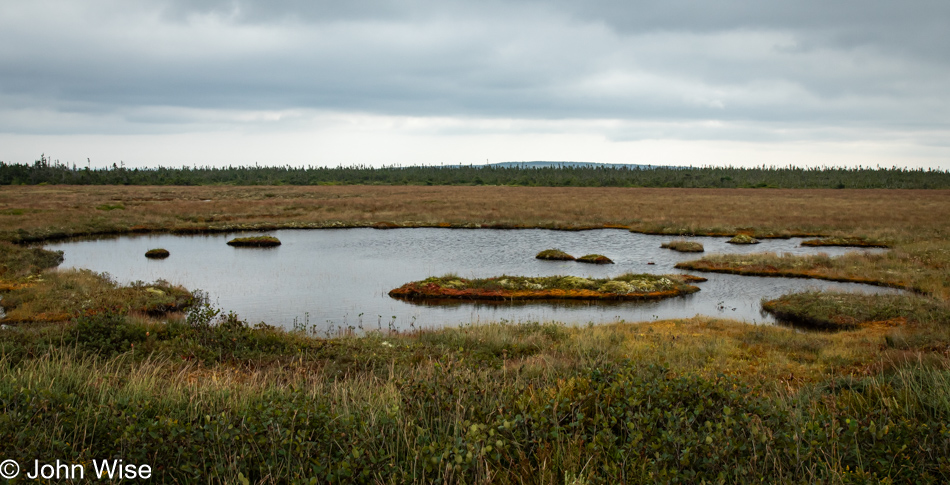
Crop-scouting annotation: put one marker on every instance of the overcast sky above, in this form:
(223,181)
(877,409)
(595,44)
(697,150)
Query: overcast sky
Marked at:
(304,82)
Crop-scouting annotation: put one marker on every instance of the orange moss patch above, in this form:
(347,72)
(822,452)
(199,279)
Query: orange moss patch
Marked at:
(11,286)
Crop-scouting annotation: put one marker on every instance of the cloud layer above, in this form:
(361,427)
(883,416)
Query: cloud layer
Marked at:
(741,72)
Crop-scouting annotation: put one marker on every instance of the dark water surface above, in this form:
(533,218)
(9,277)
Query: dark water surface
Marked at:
(336,278)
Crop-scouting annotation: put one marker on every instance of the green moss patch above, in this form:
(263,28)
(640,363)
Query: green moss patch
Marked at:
(683,246)
(844,311)
(743,239)
(554,255)
(624,287)
(255,242)
(595,259)
(158,253)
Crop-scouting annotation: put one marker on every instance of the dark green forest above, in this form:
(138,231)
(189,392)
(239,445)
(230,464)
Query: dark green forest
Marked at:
(45,171)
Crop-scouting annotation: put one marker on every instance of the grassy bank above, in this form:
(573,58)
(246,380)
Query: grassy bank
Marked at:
(837,310)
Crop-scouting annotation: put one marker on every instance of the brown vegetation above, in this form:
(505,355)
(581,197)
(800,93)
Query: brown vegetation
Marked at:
(42,212)
(255,242)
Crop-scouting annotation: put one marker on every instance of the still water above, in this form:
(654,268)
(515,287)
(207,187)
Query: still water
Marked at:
(338,278)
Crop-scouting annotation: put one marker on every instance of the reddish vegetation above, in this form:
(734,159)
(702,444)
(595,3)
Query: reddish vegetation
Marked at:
(432,290)
(766,270)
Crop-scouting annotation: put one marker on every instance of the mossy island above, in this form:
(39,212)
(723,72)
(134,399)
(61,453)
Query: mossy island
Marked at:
(743,239)
(844,241)
(554,255)
(628,286)
(158,253)
(255,242)
(594,259)
(683,246)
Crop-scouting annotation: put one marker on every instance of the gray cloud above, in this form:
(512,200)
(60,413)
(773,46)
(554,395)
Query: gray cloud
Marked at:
(116,67)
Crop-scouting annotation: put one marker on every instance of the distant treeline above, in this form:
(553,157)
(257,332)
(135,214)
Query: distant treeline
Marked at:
(45,171)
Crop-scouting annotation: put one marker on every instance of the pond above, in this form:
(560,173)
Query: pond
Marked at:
(339,278)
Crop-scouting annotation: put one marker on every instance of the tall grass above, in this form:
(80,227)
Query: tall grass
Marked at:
(532,403)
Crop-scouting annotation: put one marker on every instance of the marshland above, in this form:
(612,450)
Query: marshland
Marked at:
(848,388)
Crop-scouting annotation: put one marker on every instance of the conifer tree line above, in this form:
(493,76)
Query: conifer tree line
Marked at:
(46,171)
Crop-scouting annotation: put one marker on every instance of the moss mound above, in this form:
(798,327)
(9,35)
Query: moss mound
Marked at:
(683,246)
(595,259)
(158,253)
(628,286)
(255,242)
(554,255)
(743,239)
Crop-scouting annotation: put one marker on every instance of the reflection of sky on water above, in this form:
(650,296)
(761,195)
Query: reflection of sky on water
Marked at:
(341,277)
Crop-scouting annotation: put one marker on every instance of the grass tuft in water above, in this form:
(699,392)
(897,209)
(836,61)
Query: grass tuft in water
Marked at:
(255,242)
(683,246)
(743,239)
(595,259)
(554,255)
(158,253)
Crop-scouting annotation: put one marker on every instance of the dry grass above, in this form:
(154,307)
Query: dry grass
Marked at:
(892,215)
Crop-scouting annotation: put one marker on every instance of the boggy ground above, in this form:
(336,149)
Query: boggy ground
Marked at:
(208,398)
(42,212)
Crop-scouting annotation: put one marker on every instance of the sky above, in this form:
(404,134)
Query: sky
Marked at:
(151,83)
